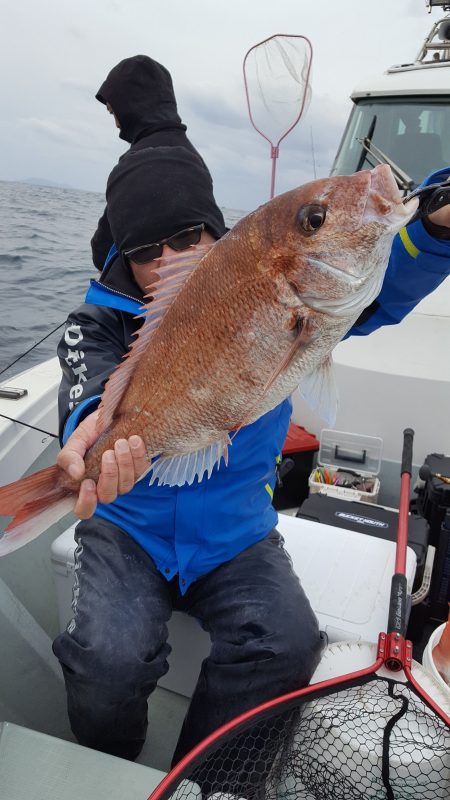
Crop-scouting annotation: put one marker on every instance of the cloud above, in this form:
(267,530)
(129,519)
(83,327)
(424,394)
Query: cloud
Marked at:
(239,158)
(76,32)
(48,128)
(76,134)
(414,10)
(215,104)
(83,90)
(217,111)
(54,122)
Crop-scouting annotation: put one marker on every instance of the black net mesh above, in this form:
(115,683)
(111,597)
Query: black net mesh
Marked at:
(364,742)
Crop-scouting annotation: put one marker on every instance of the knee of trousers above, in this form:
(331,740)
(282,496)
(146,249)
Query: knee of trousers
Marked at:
(294,647)
(114,661)
(285,650)
(298,652)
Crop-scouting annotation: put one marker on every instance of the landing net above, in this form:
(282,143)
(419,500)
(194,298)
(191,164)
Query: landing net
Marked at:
(371,740)
(378,733)
(277,84)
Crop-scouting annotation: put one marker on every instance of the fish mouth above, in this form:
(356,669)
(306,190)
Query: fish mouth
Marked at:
(385,201)
(353,280)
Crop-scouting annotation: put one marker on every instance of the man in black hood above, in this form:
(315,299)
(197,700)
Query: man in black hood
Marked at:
(144,545)
(139,93)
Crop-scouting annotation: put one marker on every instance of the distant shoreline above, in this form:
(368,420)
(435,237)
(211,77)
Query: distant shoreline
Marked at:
(43,183)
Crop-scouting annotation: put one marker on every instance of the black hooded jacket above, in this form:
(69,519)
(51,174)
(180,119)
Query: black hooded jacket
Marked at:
(140,92)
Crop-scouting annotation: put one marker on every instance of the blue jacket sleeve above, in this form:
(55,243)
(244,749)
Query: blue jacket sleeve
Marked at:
(417,266)
(94,342)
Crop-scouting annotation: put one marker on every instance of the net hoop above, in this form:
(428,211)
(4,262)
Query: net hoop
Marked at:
(275,145)
(297,119)
(318,690)
(177,772)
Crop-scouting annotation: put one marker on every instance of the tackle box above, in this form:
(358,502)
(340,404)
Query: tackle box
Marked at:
(352,458)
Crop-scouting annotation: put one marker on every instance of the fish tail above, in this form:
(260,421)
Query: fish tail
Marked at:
(441,652)
(35,503)
(444,641)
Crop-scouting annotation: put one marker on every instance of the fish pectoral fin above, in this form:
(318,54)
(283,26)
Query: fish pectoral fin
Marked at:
(320,391)
(178,470)
(300,340)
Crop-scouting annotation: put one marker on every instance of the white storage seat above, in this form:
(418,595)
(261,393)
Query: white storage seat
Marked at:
(39,767)
(346,575)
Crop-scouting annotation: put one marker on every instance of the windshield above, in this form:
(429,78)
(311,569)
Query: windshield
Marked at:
(415,134)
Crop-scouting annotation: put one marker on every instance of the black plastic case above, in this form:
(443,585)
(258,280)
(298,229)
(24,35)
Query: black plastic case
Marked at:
(433,503)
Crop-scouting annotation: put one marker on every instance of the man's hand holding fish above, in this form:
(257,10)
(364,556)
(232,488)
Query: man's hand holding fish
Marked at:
(120,469)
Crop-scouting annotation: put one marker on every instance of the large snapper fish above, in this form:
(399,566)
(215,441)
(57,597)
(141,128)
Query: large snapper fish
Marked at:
(231,330)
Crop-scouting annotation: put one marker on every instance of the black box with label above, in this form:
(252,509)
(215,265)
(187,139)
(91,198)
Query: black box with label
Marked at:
(433,502)
(433,494)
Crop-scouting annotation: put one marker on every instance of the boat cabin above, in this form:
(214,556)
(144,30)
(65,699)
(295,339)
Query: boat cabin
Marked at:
(402,117)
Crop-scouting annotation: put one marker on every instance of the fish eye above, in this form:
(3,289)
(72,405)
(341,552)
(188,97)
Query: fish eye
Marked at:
(311,217)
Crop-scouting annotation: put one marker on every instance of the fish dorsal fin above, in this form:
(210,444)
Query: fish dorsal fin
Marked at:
(170,275)
(178,470)
(320,391)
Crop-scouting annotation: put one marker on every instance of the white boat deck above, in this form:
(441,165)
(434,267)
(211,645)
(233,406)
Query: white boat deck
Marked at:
(397,377)
(40,767)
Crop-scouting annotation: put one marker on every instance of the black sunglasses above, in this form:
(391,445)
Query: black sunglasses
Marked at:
(179,241)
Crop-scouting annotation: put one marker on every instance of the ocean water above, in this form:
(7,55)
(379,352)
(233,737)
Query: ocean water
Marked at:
(45,265)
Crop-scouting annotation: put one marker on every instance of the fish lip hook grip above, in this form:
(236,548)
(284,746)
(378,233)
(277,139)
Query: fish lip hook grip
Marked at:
(431,198)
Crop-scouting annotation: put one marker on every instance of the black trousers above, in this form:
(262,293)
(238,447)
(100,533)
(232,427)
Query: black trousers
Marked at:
(265,638)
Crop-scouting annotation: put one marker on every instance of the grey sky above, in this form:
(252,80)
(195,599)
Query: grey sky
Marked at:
(55,54)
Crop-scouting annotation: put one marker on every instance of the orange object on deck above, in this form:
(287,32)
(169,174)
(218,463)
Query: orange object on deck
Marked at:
(298,440)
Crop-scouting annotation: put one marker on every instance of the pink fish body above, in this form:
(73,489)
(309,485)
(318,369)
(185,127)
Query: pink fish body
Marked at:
(231,331)
(441,653)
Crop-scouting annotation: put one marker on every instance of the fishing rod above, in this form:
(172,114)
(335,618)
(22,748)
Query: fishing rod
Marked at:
(27,425)
(431,198)
(9,393)
(33,347)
